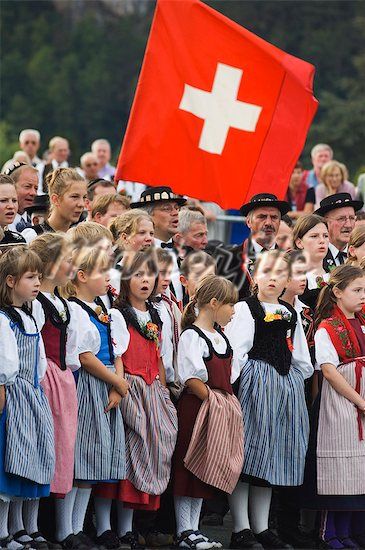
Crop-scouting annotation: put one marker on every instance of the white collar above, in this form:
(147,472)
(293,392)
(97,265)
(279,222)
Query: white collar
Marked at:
(55,164)
(334,251)
(258,248)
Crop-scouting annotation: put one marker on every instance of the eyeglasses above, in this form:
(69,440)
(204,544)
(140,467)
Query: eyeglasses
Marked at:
(169,208)
(343,219)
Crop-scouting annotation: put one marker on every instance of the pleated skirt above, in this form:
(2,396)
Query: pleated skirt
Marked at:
(276,424)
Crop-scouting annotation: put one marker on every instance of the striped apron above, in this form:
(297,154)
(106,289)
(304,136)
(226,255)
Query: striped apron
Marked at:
(340,449)
(29,449)
(276,424)
(100,444)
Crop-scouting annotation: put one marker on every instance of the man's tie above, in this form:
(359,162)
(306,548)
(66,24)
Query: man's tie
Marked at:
(342,256)
(167,245)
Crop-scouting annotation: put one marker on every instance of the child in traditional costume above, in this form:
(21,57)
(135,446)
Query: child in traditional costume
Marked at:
(27,456)
(340,439)
(209,449)
(270,346)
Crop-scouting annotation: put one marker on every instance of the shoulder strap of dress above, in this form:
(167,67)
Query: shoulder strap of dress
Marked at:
(202,335)
(255,307)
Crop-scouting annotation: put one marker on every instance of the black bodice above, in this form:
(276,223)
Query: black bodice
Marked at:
(270,341)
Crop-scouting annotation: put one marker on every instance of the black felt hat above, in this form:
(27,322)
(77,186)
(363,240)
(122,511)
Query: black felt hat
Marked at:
(40,204)
(158,194)
(265,199)
(339,200)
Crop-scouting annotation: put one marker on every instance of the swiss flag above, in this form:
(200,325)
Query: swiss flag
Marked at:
(219,114)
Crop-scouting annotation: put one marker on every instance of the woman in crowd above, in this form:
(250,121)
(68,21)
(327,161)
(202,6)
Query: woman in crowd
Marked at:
(333,177)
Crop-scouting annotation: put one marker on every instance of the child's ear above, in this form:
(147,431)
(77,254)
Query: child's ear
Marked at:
(183,281)
(81,276)
(214,303)
(298,243)
(10,281)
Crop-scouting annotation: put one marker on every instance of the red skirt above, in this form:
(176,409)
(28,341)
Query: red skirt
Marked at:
(126,492)
(184,483)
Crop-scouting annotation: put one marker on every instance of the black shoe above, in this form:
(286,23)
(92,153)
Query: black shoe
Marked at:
(360,539)
(108,541)
(77,542)
(328,544)
(131,539)
(39,542)
(4,543)
(245,539)
(18,535)
(270,540)
(296,537)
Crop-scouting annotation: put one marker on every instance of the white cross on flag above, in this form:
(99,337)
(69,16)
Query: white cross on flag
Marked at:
(219,114)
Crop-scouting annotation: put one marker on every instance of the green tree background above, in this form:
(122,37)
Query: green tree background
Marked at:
(70,68)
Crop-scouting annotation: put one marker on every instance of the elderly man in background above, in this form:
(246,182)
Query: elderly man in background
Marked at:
(89,166)
(29,142)
(192,231)
(102,151)
(59,153)
(97,188)
(320,154)
(25,178)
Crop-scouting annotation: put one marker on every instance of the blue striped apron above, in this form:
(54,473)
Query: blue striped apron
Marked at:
(100,443)
(29,451)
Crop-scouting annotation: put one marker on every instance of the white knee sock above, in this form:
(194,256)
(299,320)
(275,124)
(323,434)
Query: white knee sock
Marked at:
(30,516)
(102,514)
(80,507)
(182,514)
(260,500)
(195,509)
(125,519)
(238,503)
(4,513)
(16,517)
(63,511)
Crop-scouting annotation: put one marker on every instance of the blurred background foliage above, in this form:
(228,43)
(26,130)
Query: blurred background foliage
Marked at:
(70,67)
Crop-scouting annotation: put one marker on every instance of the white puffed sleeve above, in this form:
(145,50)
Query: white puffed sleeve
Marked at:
(42,363)
(191,350)
(119,332)
(38,314)
(325,350)
(240,333)
(75,336)
(9,359)
(88,337)
(300,357)
(29,234)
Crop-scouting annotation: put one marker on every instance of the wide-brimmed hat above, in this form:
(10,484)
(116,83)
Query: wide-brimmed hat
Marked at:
(40,203)
(265,199)
(158,194)
(339,200)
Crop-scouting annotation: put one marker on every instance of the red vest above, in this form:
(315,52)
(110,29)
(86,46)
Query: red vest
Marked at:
(141,357)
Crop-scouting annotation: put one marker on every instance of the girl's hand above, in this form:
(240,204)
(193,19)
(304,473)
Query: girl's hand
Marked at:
(361,406)
(114,400)
(122,387)
(2,398)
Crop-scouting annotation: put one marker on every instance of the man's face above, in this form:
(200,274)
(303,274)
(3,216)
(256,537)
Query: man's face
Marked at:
(103,153)
(115,209)
(320,158)
(30,145)
(26,188)
(264,224)
(61,151)
(284,237)
(197,236)
(341,223)
(166,218)
(100,191)
(90,167)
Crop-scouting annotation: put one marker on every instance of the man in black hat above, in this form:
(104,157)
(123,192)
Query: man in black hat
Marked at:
(263,214)
(163,206)
(39,210)
(339,211)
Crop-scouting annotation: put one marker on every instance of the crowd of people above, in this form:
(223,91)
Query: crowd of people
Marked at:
(153,376)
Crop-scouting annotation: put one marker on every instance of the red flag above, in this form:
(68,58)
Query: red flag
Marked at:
(219,114)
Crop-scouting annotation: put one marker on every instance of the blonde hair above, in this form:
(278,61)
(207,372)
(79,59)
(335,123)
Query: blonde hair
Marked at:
(59,180)
(208,288)
(128,223)
(87,260)
(49,247)
(357,239)
(329,166)
(16,261)
(89,234)
(102,203)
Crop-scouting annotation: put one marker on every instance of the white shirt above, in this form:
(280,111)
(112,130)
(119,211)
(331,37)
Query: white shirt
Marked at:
(18,217)
(133,189)
(167,329)
(241,333)
(325,350)
(40,167)
(334,251)
(258,248)
(175,274)
(312,279)
(191,352)
(29,234)
(9,358)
